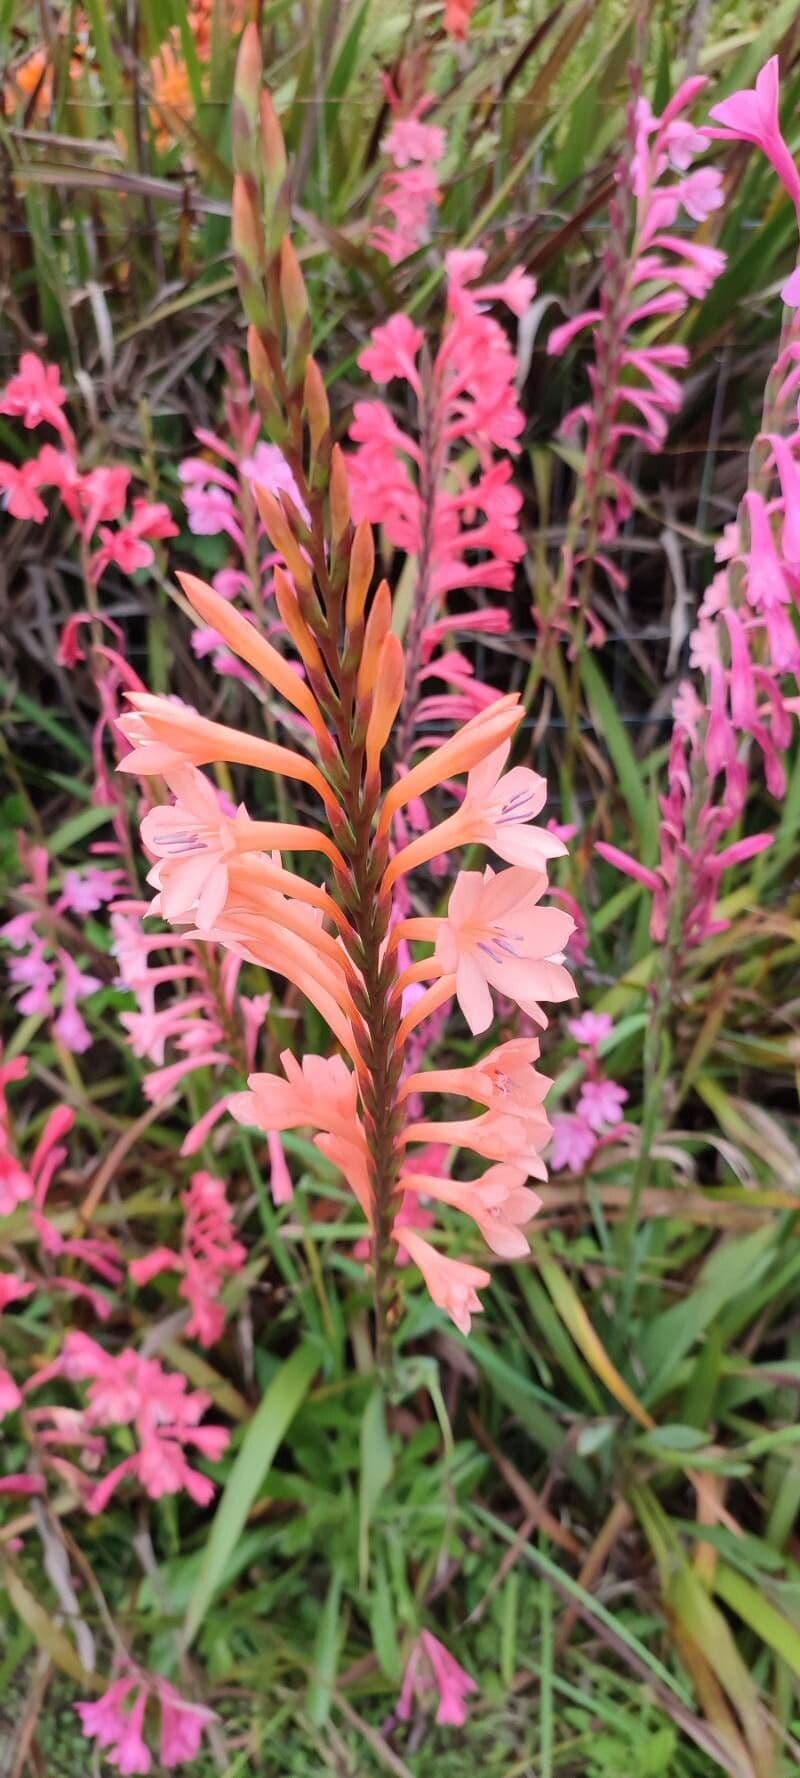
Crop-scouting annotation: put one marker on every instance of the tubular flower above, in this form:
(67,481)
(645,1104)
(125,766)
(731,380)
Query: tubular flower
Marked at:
(345,943)
(649,269)
(115,1722)
(431,1669)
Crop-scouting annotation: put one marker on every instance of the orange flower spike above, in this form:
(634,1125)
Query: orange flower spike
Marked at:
(388,696)
(244,639)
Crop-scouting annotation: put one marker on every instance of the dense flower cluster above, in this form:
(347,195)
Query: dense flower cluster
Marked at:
(95,499)
(48,980)
(116,1722)
(209,1254)
(408,193)
(126,1390)
(649,270)
(598,1114)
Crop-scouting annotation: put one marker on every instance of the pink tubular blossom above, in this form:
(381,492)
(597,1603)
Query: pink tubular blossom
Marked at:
(432,1670)
(574,1143)
(35,395)
(497,936)
(753,116)
(116,1722)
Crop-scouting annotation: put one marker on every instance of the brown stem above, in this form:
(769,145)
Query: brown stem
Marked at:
(430,476)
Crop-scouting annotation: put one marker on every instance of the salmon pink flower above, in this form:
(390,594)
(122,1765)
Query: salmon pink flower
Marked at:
(452,1283)
(499,1202)
(432,1669)
(504,1080)
(496,812)
(193,841)
(495,1135)
(318,1090)
(497,936)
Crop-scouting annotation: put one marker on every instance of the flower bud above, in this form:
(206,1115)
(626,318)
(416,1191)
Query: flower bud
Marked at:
(281,537)
(362,565)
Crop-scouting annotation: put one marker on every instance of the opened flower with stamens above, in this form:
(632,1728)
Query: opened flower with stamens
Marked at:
(496,935)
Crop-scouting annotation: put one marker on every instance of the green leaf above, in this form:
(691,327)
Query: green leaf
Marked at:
(47,1635)
(326,1649)
(604,715)
(261,1440)
(383,1626)
(76,828)
(377,1465)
